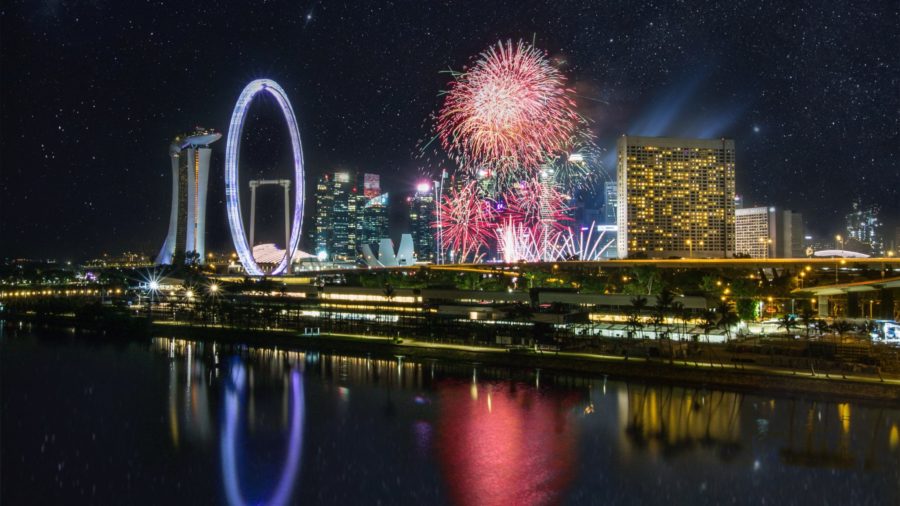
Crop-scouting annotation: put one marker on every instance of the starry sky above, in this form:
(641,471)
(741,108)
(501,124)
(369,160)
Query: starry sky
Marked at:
(92,92)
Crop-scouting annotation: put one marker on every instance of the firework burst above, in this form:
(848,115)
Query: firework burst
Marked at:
(580,168)
(537,201)
(467,223)
(508,114)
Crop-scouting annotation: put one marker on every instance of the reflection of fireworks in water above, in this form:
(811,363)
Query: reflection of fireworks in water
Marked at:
(509,113)
(467,223)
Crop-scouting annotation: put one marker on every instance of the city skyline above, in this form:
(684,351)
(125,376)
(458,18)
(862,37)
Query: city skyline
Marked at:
(84,188)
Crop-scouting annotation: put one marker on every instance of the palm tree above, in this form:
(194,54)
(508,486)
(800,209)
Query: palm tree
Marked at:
(710,321)
(638,304)
(634,322)
(841,327)
(389,291)
(727,317)
(787,322)
(809,317)
(664,302)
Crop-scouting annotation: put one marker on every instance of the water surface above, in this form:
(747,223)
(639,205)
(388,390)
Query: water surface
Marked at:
(173,421)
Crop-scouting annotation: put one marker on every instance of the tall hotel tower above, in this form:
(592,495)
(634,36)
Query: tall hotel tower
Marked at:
(675,197)
(190,173)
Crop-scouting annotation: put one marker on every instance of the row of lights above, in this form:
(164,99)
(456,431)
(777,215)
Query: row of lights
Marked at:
(35,293)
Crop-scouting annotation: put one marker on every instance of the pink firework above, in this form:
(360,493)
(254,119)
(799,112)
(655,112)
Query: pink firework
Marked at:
(467,223)
(533,202)
(509,113)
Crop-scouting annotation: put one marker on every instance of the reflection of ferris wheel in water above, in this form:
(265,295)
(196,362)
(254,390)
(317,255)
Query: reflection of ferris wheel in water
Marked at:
(232,183)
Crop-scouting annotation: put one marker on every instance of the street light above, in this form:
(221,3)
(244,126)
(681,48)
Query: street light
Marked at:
(767,242)
(841,240)
(690,245)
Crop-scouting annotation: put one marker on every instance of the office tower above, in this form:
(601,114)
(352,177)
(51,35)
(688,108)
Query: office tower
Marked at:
(186,239)
(336,204)
(864,225)
(766,232)
(610,190)
(372,211)
(421,221)
(675,197)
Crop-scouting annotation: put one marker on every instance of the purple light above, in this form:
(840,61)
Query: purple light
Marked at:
(233,394)
(232,182)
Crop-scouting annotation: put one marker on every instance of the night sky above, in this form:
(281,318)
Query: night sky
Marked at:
(93,92)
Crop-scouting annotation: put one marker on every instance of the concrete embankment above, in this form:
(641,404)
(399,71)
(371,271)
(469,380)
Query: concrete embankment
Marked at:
(757,379)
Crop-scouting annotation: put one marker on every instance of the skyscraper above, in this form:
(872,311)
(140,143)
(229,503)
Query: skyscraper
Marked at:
(864,226)
(610,203)
(421,219)
(371,211)
(766,232)
(675,197)
(335,213)
(187,220)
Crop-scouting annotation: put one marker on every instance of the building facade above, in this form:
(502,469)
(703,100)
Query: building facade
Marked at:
(421,221)
(610,202)
(767,232)
(335,236)
(371,211)
(675,197)
(186,239)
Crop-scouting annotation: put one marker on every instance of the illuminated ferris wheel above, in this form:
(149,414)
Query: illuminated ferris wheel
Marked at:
(232,182)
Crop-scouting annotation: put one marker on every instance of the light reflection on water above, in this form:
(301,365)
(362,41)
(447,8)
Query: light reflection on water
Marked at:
(497,440)
(200,422)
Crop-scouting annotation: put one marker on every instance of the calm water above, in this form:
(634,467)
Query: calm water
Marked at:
(173,421)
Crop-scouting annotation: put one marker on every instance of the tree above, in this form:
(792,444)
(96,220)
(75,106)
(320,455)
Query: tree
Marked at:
(841,327)
(644,280)
(638,304)
(808,316)
(389,291)
(727,317)
(634,322)
(787,322)
(679,312)
(663,304)
(709,322)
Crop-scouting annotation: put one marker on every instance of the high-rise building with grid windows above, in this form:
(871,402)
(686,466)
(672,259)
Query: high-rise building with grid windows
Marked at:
(421,219)
(335,214)
(675,197)
(766,232)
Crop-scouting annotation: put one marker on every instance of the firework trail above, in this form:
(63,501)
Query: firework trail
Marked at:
(538,200)
(586,245)
(467,223)
(580,168)
(508,114)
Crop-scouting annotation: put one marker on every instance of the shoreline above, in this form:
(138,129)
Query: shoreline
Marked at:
(758,380)
(737,377)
